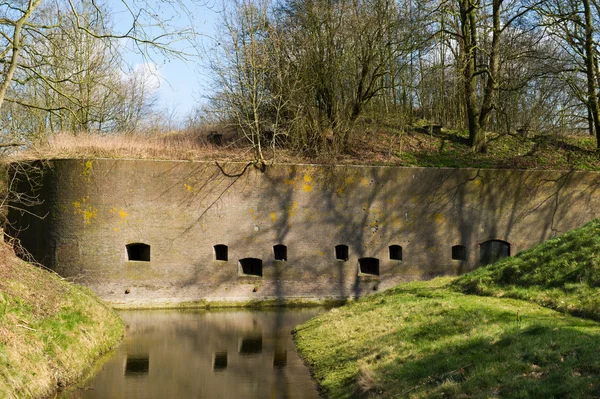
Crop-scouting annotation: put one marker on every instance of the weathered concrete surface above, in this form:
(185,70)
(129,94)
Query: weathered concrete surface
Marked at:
(182,209)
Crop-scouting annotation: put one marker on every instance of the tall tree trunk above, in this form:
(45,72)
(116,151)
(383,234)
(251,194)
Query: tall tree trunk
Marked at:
(468,21)
(16,47)
(591,71)
(489,97)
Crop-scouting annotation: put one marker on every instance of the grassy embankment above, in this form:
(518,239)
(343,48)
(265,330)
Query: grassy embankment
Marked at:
(50,330)
(429,339)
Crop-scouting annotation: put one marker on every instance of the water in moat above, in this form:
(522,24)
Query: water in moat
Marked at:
(204,354)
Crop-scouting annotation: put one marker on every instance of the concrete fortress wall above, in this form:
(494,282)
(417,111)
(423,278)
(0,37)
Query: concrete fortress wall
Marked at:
(181,210)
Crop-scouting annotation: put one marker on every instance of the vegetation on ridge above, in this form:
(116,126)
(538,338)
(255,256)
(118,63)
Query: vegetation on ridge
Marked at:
(372,144)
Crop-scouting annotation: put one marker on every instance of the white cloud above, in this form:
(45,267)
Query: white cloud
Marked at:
(149,73)
(146,73)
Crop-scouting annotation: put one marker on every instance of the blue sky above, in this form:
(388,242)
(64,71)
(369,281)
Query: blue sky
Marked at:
(181,84)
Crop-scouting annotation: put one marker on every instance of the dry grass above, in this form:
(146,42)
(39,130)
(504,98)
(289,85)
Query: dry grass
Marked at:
(50,330)
(383,143)
(172,146)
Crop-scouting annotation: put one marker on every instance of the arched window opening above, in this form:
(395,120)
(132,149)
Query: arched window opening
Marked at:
(369,266)
(341,252)
(459,252)
(251,267)
(138,252)
(395,252)
(492,251)
(280,252)
(221,252)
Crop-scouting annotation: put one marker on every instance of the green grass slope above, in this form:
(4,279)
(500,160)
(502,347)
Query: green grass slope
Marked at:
(562,273)
(437,339)
(50,330)
(424,340)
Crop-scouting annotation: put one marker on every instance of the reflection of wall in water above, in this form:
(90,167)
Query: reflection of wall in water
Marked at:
(284,226)
(137,366)
(231,354)
(220,361)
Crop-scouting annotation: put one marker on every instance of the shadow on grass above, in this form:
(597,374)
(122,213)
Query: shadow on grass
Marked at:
(539,361)
(456,346)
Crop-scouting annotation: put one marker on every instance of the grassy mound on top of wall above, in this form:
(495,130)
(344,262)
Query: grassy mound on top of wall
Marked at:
(422,340)
(562,273)
(50,330)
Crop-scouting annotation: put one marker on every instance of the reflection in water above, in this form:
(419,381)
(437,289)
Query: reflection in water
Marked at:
(220,362)
(280,358)
(200,354)
(137,366)
(251,345)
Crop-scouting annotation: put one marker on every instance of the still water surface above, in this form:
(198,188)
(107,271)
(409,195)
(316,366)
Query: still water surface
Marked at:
(200,354)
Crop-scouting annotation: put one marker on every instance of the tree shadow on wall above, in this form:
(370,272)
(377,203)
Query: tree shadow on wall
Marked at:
(368,209)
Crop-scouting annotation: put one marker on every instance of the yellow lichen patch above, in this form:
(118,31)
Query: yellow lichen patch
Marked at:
(292,209)
(320,253)
(88,168)
(308,181)
(290,182)
(122,214)
(273,217)
(364,181)
(116,229)
(340,191)
(187,187)
(439,218)
(252,213)
(397,224)
(88,211)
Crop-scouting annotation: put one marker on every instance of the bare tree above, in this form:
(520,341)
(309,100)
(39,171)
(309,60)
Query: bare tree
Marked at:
(30,29)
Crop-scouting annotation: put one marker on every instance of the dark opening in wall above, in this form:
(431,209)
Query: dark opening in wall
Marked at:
(138,252)
(369,266)
(492,251)
(395,252)
(341,252)
(459,252)
(137,366)
(251,345)
(220,362)
(251,267)
(280,252)
(221,252)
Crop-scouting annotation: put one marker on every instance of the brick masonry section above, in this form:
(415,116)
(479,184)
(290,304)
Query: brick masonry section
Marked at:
(95,208)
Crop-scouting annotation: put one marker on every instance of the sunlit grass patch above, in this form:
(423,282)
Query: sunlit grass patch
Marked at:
(423,340)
